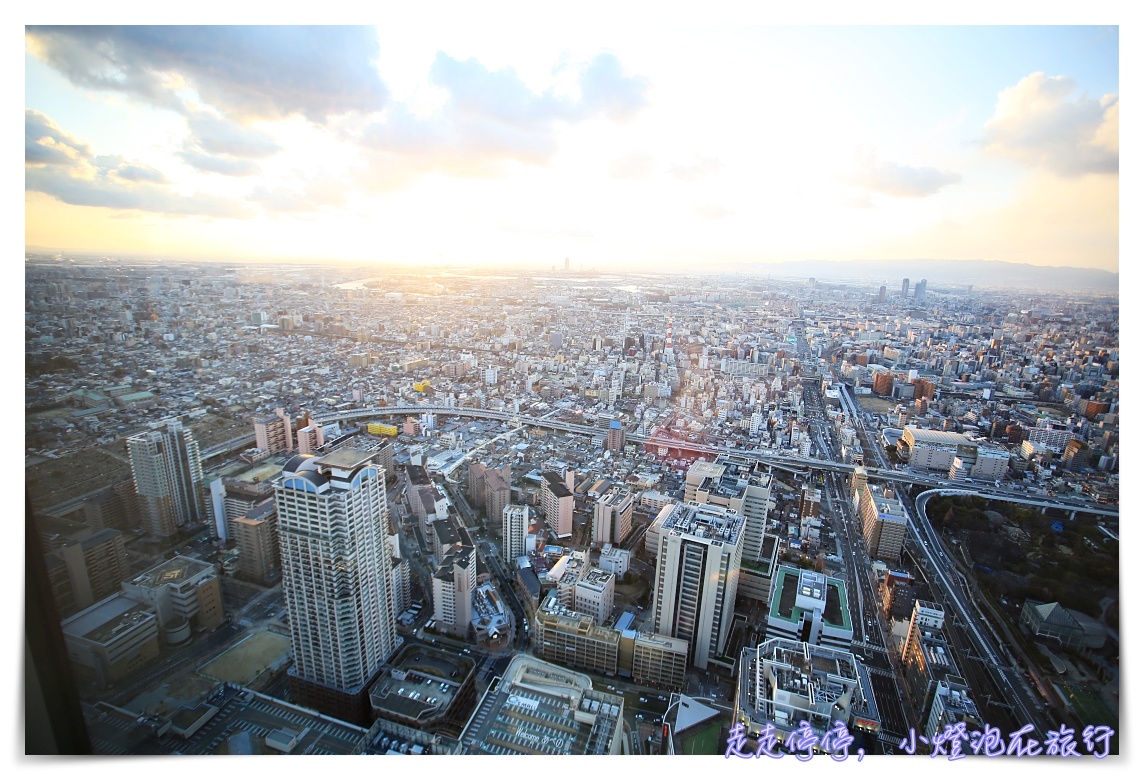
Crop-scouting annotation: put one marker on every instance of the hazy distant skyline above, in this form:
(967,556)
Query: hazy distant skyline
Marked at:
(616,145)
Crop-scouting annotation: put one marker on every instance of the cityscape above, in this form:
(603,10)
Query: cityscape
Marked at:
(558,498)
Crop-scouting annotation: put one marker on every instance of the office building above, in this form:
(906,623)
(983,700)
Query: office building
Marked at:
(539,708)
(741,485)
(920,290)
(936,692)
(514,531)
(186,594)
(697,577)
(273,433)
(332,523)
(906,287)
(572,638)
(785,682)
(557,502)
(807,606)
(595,594)
(112,639)
(612,521)
(884,522)
(168,474)
(616,560)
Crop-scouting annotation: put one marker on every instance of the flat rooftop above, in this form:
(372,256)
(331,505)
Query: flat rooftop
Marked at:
(103,620)
(346,458)
(543,709)
(836,612)
(240,727)
(176,570)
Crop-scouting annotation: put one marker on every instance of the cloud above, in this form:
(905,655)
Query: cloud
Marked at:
(900,181)
(1037,124)
(694,171)
(862,201)
(218,136)
(268,72)
(490,117)
(311,195)
(220,146)
(118,168)
(606,91)
(713,213)
(633,165)
(224,164)
(58,165)
(45,143)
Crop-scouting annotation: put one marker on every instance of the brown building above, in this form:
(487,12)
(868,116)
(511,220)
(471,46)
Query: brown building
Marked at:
(87,569)
(883,383)
(255,534)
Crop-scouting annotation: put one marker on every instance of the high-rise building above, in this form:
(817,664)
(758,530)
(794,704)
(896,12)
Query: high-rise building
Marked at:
(332,524)
(616,436)
(744,486)
(168,473)
(697,576)
(883,383)
(514,531)
(310,438)
(272,432)
(906,287)
(255,534)
(612,521)
(453,586)
(920,290)
(557,502)
(884,523)
(882,294)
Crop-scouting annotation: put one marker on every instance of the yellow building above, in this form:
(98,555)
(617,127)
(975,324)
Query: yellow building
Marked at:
(381,429)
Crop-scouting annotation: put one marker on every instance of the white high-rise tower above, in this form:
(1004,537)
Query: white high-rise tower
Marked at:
(697,576)
(332,525)
(168,474)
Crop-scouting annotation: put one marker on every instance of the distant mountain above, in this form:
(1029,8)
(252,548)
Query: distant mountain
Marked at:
(944,273)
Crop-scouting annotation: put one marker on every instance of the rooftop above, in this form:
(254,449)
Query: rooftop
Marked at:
(346,458)
(174,571)
(543,709)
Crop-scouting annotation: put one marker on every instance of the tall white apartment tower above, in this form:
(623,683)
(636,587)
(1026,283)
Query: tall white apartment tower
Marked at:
(697,576)
(336,564)
(514,531)
(168,474)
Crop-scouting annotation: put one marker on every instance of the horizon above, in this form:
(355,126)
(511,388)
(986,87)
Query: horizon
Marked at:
(450,147)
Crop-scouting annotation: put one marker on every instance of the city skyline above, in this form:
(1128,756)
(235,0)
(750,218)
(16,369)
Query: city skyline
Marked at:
(464,145)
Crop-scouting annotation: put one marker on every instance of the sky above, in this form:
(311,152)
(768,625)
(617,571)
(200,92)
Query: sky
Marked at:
(671,142)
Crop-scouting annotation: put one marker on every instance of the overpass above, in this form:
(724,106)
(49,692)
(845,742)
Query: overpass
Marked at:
(769,457)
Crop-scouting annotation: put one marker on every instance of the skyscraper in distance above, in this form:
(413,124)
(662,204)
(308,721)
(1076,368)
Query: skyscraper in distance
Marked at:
(332,526)
(168,473)
(906,287)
